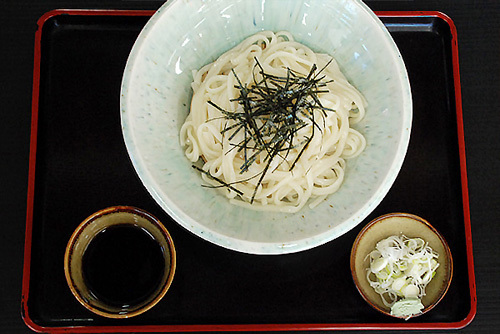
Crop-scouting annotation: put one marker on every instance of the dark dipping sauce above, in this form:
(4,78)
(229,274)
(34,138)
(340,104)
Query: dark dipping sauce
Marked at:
(123,265)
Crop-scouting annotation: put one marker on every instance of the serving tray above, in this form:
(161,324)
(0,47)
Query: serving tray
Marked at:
(79,165)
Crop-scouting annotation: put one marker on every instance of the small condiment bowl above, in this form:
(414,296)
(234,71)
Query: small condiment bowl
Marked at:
(86,232)
(411,226)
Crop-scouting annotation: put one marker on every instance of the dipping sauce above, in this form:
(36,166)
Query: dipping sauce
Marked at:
(123,265)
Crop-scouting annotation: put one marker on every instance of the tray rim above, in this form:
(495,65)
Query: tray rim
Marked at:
(240,327)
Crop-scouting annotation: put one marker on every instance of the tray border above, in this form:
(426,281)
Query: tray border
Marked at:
(239,327)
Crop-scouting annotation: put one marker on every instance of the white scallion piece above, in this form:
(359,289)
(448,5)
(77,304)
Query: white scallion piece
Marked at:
(400,269)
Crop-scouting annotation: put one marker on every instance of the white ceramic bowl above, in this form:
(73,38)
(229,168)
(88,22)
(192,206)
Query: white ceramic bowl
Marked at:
(184,35)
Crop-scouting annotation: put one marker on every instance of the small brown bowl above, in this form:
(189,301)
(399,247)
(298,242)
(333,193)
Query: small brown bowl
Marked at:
(139,225)
(412,226)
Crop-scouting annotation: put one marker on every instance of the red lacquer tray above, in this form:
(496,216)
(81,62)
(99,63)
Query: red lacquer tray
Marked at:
(79,165)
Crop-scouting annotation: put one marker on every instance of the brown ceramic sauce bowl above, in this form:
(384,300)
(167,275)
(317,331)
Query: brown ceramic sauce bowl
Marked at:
(412,226)
(120,262)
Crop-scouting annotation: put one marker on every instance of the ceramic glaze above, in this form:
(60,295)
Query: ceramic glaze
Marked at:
(184,35)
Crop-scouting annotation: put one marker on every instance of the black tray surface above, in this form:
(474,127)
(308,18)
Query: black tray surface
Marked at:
(82,166)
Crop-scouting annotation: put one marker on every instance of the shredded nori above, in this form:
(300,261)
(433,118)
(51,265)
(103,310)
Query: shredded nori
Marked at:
(273,109)
(218,180)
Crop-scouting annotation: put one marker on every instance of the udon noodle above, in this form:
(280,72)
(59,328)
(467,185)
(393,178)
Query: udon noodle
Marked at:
(318,150)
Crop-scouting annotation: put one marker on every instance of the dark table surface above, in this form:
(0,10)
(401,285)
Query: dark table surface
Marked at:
(478,43)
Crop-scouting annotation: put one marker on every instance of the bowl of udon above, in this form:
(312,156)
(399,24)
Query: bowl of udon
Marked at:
(266,127)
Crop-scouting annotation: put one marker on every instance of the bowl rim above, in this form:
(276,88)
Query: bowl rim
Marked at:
(84,224)
(415,218)
(274,247)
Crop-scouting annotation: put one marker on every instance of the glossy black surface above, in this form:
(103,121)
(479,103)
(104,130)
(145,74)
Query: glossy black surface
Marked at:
(123,266)
(83,166)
